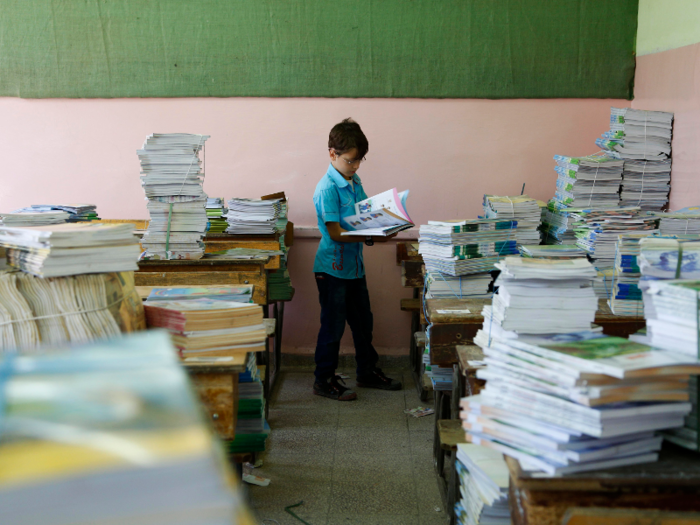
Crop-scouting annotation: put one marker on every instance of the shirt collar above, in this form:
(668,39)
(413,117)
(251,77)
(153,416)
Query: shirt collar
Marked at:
(338,179)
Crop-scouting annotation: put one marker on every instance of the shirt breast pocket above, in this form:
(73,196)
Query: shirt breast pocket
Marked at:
(347,204)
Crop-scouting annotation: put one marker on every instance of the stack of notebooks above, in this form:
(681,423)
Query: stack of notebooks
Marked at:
(626,298)
(172,178)
(443,286)
(556,251)
(679,223)
(466,247)
(597,231)
(71,249)
(483,492)
(643,139)
(564,405)
(205,328)
(591,182)
(521,209)
(253,216)
(603,283)
(216,215)
(33,218)
(109,433)
(76,212)
(280,282)
(540,296)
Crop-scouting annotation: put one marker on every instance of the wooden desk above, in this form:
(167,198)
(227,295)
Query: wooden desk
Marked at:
(216,242)
(671,484)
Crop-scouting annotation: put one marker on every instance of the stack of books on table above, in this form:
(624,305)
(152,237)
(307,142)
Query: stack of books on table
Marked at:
(521,209)
(564,405)
(643,140)
(440,376)
(443,286)
(466,247)
(119,439)
(216,215)
(251,428)
(33,218)
(558,224)
(253,216)
(172,178)
(597,231)
(626,298)
(280,282)
(555,251)
(604,282)
(679,222)
(238,294)
(76,212)
(483,492)
(71,249)
(209,329)
(591,182)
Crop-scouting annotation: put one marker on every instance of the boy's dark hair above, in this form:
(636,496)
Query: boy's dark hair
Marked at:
(347,135)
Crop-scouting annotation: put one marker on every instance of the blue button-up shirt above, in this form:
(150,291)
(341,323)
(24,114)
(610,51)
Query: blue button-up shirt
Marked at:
(335,198)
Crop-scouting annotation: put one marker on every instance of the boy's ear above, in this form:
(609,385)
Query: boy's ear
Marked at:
(331,154)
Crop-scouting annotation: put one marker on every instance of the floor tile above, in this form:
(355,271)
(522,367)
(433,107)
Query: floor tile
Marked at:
(350,466)
(421,424)
(317,418)
(422,442)
(369,519)
(266,517)
(384,418)
(373,442)
(434,518)
(378,498)
(296,440)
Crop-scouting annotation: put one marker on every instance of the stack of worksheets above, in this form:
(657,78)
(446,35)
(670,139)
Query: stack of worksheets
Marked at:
(441,285)
(604,282)
(591,182)
(466,247)
(33,218)
(172,177)
(569,404)
(483,478)
(646,183)
(76,212)
(109,433)
(679,223)
(597,231)
(626,296)
(521,209)
(253,216)
(556,251)
(71,249)
(216,215)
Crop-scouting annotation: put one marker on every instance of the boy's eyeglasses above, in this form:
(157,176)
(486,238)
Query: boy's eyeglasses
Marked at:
(350,162)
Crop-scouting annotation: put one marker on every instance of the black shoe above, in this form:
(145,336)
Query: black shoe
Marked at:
(334,390)
(377,379)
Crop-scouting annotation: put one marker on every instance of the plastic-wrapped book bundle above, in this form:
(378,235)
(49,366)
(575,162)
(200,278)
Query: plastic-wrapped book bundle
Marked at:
(172,176)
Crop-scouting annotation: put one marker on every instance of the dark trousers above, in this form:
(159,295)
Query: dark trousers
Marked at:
(343,300)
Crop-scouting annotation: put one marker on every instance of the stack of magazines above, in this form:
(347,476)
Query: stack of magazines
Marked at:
(646,183)
(441,285)
(591,182)
(564,404)
(33,218)
(253,216)
(626,296)
(557,251)
(71,249)
(522,209)
(172,178)
(216,215)
(679,223)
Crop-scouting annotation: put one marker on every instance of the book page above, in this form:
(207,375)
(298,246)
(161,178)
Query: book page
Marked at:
(381,218)
(388,200)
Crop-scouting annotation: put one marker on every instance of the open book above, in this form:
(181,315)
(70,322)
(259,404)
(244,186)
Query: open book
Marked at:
(381,215)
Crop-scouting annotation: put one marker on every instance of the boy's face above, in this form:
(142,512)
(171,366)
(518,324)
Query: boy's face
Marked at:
(345,163)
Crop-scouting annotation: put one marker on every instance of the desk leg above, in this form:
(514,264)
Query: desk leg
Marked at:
(266,382)
(452,489)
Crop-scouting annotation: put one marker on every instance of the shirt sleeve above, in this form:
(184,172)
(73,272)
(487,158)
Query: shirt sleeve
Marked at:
(329,204)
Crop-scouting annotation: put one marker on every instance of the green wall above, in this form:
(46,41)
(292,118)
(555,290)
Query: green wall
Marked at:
(317,48)
(667,24)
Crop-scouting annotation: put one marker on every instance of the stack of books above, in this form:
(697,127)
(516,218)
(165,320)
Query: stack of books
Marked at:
(521,209)
(483,478)
(205,328)
(591,182)
(251,428)
(238,294)
(643,139)
(76,212)
(558,224)
(565,405)
(216,215)
(556,251)
(603,283)
(71,249)
(33,218)
(280,282)
(253,216)
(172,178)
(120,438)
(443,286)
(679,223)
(597,231)
(466,247)
(626,298)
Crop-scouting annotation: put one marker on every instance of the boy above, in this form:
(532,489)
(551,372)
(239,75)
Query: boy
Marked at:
(340,271)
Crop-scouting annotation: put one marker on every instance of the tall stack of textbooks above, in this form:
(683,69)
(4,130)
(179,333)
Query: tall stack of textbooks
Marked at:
(253,216)
(483,493)
(679,223)
(216,215)
(626,298)
(172,178)
(525,211)
(120,439)
(466,247)
(591,182)
(643,139)
(444,286)
(566,404)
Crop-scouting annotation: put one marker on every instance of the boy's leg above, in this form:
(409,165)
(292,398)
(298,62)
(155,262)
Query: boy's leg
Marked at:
(331,295)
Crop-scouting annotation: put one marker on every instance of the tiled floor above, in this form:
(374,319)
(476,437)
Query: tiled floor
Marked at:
(361,462)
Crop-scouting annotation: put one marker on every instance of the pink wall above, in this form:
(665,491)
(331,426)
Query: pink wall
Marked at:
(447,152)
(670,81)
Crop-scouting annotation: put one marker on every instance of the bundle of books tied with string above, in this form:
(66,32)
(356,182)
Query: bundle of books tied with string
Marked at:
(382,215)
(591,182)
(172,176)
(524,210)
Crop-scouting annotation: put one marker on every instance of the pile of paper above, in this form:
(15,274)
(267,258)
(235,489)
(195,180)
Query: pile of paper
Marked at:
(557,251)
(253,216)
(483,477)
(172,178)
(591,182)
(466,247)
(572,405)
(597,231)
(541,296)
(209,328)
(626,296)
(603,283)
(33,218)
(71,249)
(110,433)
(76,212)
(216,215)
(646,183)
(521,209)
(558,224)
(679,223)
(441,285)
(238,294)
